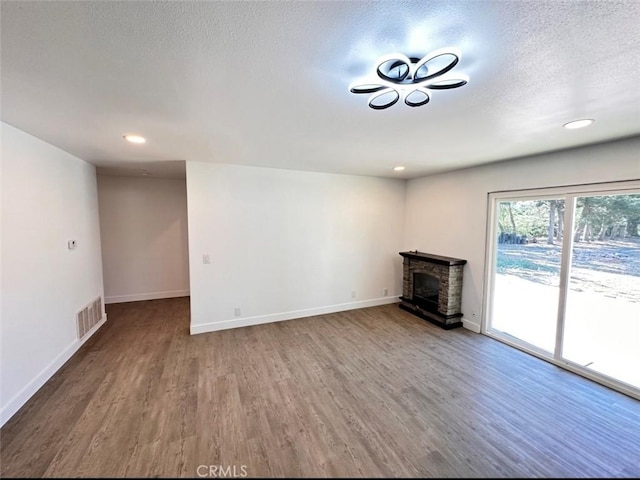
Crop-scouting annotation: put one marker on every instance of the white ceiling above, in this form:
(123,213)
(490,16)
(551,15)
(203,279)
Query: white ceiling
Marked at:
(266,83)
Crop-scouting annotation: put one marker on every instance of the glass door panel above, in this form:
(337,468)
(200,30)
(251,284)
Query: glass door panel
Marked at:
(527,252)
(602,313)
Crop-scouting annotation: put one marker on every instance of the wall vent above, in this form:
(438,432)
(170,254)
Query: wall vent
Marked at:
(89,316)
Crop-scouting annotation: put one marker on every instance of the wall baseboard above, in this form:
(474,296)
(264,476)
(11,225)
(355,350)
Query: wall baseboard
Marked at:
(278,317)
(472,325)
(146,296)
(23,396)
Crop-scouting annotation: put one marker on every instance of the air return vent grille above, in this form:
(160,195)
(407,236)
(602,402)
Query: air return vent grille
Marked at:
(89,316)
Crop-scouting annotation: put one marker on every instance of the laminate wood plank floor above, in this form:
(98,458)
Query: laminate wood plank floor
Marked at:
(375,392)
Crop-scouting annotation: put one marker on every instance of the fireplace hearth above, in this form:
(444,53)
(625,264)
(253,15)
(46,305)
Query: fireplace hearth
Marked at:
(432,287)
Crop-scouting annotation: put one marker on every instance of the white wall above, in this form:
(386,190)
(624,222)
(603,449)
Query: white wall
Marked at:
(143,227)
(48,198)
(446,214)
(285,244)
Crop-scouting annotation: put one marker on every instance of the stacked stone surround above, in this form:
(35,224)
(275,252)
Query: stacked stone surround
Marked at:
(449,272)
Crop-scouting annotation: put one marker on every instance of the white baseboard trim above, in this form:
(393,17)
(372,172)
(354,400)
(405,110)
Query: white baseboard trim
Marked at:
(146,296)
(20,398)
(472,325)
(278,317)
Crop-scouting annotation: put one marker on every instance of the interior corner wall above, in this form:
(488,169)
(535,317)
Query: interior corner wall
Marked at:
(446,214)
(143,227)
(48,198)
(284,244)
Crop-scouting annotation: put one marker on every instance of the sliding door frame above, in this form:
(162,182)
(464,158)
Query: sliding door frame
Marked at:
(569,194)
(490,261)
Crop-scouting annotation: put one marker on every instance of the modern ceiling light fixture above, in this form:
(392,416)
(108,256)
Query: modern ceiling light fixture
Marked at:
(134,138)
(579,123)
(411,79)
(399,168)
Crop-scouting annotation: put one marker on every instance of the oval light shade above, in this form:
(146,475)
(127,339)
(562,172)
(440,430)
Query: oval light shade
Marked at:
(436,64)
(384,99)
(417,97)
(448,83)
(394,67)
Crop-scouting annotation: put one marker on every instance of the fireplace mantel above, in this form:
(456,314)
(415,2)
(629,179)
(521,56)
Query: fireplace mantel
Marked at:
(429,257)
(441,300)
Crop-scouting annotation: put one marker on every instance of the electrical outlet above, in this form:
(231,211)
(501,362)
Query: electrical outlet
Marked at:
(353,294)
(385,292)
(206,258)
(237,312)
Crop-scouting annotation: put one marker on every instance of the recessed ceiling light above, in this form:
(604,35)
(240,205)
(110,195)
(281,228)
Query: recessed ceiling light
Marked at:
(399,168)
(145,173)
(135,139)
(579,123)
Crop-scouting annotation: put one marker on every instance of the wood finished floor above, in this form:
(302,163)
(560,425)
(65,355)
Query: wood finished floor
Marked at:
(372,392)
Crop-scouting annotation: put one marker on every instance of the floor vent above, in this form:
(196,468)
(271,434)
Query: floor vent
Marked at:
(89,316)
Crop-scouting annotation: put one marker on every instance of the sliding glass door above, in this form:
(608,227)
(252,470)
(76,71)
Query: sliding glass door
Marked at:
(563,278)
(602,317)
(527,271)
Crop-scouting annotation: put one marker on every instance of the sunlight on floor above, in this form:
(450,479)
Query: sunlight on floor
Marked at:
(601,332)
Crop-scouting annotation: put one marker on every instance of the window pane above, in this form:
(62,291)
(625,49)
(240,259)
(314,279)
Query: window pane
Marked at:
(527,271)
(602,320)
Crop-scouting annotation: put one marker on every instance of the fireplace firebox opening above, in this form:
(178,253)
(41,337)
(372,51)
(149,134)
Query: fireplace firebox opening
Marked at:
(425,291)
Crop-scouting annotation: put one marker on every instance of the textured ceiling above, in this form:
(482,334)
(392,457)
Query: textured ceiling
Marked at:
(266,83)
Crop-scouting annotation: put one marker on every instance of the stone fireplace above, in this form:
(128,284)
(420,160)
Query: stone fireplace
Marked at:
(432,287)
